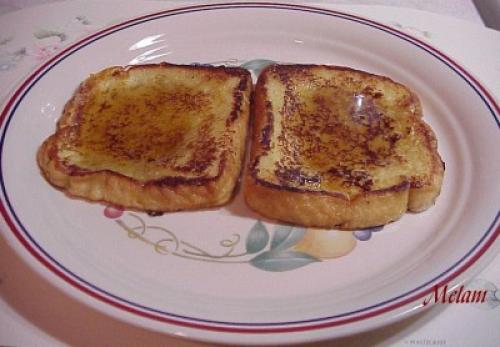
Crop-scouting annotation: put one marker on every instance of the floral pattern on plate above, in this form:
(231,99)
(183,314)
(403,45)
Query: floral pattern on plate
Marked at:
(43,43)
(284,248)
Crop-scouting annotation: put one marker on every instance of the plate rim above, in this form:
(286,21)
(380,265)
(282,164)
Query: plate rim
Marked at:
(24,88)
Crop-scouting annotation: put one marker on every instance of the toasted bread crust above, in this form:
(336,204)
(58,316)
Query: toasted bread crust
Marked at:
(333,208)
(200,189)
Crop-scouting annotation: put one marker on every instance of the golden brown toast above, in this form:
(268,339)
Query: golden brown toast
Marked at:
(152,137)
(336,147)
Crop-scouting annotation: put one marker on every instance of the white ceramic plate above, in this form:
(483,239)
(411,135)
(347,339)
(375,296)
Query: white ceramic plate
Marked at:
(210,275)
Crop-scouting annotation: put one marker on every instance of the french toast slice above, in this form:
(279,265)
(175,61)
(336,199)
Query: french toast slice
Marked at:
(334,147)
(155,138)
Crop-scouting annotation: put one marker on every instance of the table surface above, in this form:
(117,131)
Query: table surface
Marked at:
(35,313)
(461,9)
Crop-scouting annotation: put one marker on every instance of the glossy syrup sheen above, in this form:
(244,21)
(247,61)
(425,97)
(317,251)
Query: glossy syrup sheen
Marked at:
(337,134)
(152,124)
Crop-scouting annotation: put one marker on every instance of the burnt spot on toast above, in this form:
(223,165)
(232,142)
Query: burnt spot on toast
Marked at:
(158,123)
(335,133)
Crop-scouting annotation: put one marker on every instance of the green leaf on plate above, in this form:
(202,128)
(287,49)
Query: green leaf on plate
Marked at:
(279,261)
(257,238)
(286,236)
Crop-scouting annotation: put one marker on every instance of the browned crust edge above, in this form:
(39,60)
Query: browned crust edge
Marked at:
(332,209)
(169,193)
